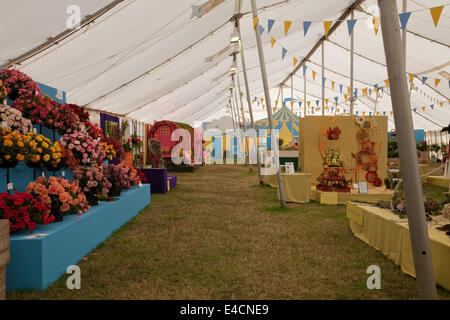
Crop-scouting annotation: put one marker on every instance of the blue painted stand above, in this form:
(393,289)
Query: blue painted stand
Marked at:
(37,263)
(21,176)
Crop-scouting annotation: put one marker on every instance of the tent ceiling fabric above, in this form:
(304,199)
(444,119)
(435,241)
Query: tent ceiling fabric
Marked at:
(150,60)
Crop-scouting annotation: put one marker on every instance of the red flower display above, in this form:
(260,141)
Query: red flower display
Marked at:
(40,110)
(22,209)
(93,130)
(82,114)
(18,84)
(116,145)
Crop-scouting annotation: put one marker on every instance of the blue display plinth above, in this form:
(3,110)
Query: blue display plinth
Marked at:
(38,262)
(21,176)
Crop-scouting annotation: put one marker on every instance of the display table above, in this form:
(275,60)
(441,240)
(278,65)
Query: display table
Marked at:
(439,181)
(4,255)
(159,179)
(37,262)
(384,231)
(297,186)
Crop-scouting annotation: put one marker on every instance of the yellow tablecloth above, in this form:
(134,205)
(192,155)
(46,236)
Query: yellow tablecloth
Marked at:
(379,230)
(297,186)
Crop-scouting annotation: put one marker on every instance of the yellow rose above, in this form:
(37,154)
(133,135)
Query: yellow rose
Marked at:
(52,150)
(45,145)
(39,150)
(20,144)
(36,158)
(39,138)
(20,157)
(46,158)
(55,156)
(7,157)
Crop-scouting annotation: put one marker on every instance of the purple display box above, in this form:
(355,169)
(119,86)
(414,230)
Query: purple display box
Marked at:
(158,179)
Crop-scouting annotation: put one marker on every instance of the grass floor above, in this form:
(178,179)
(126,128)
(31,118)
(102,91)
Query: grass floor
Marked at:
(219,235)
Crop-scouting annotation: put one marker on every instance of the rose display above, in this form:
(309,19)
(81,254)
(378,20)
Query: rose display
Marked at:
(84,148)
(18,84)
(14,120)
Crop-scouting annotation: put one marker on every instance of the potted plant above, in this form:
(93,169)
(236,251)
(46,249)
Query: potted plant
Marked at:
(14,120)
(12,148)
(118,176)
(84,148)
(423,153)
(23,209)
(18,84)
(40,151)
(92,182)
(64,197)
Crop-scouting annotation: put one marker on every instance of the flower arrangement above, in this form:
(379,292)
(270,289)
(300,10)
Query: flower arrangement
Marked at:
(136,143)
(39,151)
(14,119)
(64,197)
(3,92)
(422,146)
(23,209)
(127,145)
(133,174)
(69,120)
(41,110)
(116,145)
(92,181)
(109,150)
(12,148)
(118,176)
(82,114)
(93,130)
(18,84)
(84,148)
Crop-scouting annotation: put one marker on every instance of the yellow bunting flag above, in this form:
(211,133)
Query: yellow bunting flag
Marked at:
(423,108)
(364,113)
(263,106)
(287,25)
(387,83)
(338,110)
(292,104)
(376,25)
(436,14)
(262,100)
(345,97)
(276,103)
(391,112)
(317,109)
(326,108)
(295,61)
(411,77)
(255,22)
(314,75)
(326,102)
(272,41)
(349,90)
(436,82)
(364,92)
(441,103)
(274,109)
(309,103)
(378,113)
(327,26)
(332,85)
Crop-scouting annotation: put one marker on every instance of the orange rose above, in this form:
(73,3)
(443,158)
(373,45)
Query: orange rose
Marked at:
(65,207)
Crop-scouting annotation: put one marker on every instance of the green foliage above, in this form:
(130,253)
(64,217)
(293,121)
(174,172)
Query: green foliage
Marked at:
(435,147)
(392,149)
(422,146)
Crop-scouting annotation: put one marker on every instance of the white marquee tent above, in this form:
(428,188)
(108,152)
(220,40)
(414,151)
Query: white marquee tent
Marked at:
(152,60)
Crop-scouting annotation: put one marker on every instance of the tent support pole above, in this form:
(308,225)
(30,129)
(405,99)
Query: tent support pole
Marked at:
(232,115)
(401,106)
(244,123)
(233,80)
(352,47)
(292,109)
(249,102)
(268,103)
(304,95)
(323,76)
(232,109)
(404,8)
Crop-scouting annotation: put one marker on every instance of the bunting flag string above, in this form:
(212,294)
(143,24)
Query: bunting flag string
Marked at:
(296,60)
(404,18)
